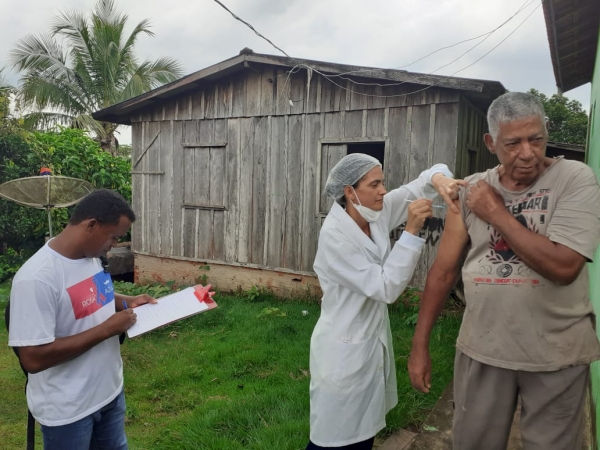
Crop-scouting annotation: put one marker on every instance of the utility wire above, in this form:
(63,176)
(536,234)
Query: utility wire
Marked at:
(250,26)
(329,77)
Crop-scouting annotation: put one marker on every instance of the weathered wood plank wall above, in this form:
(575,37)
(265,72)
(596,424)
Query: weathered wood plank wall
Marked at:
(236,173)
(472,154)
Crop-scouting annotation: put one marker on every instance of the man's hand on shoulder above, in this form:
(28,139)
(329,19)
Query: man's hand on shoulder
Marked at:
(486,202)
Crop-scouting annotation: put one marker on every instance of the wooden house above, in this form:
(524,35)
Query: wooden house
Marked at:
(229,163)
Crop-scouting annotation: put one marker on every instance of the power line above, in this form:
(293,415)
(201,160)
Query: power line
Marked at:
(497,45)
(488,34)
(250,26)
(329,77)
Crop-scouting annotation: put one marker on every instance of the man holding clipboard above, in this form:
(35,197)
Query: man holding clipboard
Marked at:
(65,322)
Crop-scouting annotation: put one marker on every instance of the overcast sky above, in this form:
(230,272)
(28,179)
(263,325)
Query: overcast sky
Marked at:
(376,33)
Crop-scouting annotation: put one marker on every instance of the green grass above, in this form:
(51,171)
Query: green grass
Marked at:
(229,379)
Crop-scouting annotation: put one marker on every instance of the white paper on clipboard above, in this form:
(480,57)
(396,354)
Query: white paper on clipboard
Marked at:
(169,308)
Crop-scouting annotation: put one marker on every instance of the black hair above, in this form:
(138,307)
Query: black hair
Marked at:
(342,199)
(104,205)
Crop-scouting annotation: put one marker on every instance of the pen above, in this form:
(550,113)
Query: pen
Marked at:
(433,206)
(124,305)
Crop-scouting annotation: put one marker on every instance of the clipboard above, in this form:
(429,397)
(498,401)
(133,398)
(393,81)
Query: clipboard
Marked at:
(172,308)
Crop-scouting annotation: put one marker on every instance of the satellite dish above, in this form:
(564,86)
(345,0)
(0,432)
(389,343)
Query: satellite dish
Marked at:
(46,192)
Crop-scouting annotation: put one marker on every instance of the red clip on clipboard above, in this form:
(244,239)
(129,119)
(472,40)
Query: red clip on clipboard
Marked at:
(171,308)
(204,295)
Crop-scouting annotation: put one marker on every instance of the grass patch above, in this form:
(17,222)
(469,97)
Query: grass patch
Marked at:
(234,378)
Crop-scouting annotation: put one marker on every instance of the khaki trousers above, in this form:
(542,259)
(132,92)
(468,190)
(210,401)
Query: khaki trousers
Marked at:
(485,399)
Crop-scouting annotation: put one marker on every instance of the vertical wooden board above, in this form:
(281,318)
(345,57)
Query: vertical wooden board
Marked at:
(283,80)
(210,100)
(397,167)
(218,179)
(375,122)
(205,131)
(312,100)
(178,188)
(394,96)
(136,187)
(444,151)
(166,188)
(336,152)
(353,124)
(238,103)
(259,187)
(378,99)
(324,168)
(157,113)
(419,144)
(327,95)
(171,109)
(197,100)
(246,163)
(190,134)
(189,233)
(419,140)
(298,92)
(339,95)
(310,230)
(446,127)
(358,99)
(267,96)
(204,239)
(201,176)
(253,92)
(202,188)
(330,159)
(232,191)
(153,186)
(143,167)
(223,98)
(294,146)
(277,190)
(333,126)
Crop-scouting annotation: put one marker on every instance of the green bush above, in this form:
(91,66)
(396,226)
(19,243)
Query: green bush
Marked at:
(68,152)
(20,227)
(10,262)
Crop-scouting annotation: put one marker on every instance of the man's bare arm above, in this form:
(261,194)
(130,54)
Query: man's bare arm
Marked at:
(440,281)
(36,358)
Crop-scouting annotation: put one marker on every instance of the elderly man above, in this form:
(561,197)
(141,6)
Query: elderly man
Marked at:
(528,227)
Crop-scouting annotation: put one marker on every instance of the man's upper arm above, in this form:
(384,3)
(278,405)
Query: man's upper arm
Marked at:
(32,314)
(453,242)
(575,221)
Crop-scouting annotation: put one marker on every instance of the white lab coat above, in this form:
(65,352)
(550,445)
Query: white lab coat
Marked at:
(353,374)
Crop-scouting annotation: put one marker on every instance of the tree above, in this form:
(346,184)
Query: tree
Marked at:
(567,121)
(5,91)
(96,69)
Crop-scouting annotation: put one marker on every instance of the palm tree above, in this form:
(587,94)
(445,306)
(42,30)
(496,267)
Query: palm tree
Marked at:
(96,68)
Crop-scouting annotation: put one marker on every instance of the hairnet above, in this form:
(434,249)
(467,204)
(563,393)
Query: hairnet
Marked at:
(347,172)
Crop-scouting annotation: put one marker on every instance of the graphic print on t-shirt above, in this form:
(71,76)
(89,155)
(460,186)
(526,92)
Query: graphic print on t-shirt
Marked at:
(89,295)
(501,265)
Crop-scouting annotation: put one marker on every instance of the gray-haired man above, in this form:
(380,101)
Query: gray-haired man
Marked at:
(528,226)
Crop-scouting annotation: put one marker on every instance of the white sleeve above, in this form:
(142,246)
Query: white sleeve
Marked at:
(346,265)
(32,314)
(395,204)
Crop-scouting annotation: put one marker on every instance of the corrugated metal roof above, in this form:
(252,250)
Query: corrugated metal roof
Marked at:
(572,27)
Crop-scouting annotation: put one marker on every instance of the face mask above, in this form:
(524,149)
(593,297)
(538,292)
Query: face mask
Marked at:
(368,214)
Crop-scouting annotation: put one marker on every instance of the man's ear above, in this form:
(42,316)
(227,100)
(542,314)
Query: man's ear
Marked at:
(489,142)
(91,224)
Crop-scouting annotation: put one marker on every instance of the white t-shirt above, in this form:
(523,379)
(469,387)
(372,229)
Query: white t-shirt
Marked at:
(53,297)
